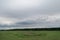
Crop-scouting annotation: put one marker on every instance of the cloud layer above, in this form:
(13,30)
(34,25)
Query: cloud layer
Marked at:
(29,13)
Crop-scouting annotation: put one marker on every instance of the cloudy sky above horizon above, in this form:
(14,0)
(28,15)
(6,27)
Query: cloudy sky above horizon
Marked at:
(29,13)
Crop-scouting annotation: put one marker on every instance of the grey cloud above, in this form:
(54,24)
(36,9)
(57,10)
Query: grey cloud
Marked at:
(21,12)
(48,7)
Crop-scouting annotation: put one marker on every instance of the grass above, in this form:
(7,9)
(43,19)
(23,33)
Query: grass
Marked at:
(29,35)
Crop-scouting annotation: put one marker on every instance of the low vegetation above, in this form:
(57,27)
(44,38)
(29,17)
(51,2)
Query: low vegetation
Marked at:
(29,35)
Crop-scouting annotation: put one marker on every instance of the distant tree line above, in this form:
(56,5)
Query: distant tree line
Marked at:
(34,29)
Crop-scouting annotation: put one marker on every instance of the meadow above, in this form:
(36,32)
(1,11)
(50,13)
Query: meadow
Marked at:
(29,35)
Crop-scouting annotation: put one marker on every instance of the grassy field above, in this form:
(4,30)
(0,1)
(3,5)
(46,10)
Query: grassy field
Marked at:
(29,35)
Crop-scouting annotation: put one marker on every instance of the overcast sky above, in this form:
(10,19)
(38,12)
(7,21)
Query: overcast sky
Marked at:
(29,13)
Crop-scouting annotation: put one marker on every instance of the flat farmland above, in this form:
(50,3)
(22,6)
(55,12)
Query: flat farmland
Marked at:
(29,35)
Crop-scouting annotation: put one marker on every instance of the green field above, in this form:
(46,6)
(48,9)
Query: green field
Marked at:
(29,35)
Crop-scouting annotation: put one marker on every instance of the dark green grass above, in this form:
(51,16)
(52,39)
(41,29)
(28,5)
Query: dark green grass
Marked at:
(29,35)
